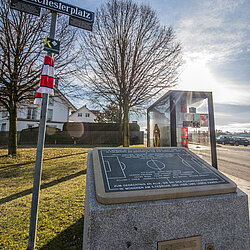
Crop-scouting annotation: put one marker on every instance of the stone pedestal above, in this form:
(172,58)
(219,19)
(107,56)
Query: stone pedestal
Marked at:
(221,221)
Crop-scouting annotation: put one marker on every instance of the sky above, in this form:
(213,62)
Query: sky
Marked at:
(215,37)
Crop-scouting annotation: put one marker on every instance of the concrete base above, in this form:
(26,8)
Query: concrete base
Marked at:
(220,220)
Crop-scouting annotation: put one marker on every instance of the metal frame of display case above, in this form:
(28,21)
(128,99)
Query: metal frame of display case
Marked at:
(174,94)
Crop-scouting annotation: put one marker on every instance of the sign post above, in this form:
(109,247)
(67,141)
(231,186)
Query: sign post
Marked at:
(39,152)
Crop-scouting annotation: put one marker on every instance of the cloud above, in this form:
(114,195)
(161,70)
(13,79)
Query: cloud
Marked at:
(216,41)
(219,27)
(232,117)
(235,127)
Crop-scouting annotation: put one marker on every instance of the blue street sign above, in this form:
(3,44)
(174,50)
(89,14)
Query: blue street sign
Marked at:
(64,8)
(25,7)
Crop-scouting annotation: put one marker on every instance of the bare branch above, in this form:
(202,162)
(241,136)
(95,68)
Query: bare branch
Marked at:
(130,56)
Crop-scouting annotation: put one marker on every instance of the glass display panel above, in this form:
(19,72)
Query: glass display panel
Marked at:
(192,124)
(159,124)
(181,119)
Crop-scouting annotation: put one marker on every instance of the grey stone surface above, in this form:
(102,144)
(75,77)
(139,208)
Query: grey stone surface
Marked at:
(220,219)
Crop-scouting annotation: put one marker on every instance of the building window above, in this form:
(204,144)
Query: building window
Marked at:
(3,128)
(79,114)
(32,113)
(87,114)
(50,114)
(51,101)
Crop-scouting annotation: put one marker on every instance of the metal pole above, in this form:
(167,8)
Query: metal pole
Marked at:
(212,130)
(39,153)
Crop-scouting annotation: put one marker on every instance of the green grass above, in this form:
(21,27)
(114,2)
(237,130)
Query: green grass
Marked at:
(61,203)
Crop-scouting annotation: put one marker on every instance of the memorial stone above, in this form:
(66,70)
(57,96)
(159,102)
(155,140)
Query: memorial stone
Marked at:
(123,208)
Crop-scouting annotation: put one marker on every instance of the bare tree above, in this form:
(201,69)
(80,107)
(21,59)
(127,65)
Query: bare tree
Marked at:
(130,56)
(21,45)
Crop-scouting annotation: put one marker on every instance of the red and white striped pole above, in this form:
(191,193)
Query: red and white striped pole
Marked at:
(47,76)
(47,80)
(38,98)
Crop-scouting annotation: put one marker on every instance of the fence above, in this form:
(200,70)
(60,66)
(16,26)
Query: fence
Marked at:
(89,138)
(78,133)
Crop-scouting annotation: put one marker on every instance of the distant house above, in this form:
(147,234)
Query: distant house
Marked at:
(28,114)
(83,114)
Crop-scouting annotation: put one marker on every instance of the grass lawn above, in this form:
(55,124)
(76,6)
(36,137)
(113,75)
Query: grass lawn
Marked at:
(61,207)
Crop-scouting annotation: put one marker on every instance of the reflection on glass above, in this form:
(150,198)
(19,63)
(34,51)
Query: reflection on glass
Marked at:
(160,125)
(191,122)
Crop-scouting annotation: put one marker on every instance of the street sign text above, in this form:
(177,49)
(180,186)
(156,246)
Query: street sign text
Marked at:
(64,8)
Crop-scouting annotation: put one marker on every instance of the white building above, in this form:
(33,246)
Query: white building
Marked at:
(28,114)
(83,114)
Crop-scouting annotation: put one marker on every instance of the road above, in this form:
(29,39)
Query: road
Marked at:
(232,160)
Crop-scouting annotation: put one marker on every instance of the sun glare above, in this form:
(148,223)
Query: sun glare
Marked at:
(197,76)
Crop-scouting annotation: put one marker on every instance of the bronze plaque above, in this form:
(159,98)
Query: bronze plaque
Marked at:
(191,243)
(146,174)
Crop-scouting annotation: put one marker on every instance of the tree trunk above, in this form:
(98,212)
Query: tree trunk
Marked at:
(120,126)
(126,124)
(12,142)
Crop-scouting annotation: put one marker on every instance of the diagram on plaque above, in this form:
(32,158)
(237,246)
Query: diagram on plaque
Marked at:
(155,164)
(137,169)
(114,168)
